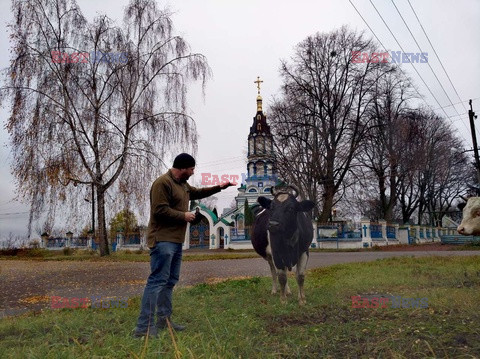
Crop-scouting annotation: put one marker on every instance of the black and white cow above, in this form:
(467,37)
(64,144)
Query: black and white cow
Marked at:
(282,233)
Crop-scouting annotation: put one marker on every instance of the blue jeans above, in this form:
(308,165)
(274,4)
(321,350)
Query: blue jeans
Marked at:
(165,262)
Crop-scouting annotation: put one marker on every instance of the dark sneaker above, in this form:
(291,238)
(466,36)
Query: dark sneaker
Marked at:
(162,324)
(152,333)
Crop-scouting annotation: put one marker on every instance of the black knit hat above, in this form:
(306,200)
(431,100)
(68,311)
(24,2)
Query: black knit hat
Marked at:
(183,160)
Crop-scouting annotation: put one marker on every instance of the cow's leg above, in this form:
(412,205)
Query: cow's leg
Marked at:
(273,270)
(301,267)
(282,278)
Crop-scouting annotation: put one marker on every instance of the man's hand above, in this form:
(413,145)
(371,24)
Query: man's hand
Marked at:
(226,185)
(189,216)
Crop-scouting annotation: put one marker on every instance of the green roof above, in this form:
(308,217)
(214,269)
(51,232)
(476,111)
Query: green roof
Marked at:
(209,211)
(212,215)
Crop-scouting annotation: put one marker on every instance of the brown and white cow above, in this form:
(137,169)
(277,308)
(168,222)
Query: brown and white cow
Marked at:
(471,218)
(282,233)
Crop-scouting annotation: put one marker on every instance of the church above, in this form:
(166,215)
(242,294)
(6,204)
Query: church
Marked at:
(229,230)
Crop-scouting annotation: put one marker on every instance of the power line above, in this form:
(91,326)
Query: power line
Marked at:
(430,66)
(461,102)
(13,213)
(385,48)
(451,83)
(401,70)
(398,43)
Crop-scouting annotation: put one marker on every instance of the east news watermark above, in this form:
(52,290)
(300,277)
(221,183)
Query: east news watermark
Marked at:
(88,302)
(209,179)
(394,57)
(59,57)
(388,302)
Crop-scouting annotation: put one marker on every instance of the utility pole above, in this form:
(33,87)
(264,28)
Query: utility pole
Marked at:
(471,116)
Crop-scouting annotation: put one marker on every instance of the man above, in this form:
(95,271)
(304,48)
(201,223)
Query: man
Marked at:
(169,203)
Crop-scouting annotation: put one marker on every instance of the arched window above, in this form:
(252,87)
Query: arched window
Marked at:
(252,190)
(240,223)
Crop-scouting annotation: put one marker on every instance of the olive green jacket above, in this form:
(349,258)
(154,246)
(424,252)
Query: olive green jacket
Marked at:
(169,200)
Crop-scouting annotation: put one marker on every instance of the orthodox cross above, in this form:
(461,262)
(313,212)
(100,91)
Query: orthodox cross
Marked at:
(258,82)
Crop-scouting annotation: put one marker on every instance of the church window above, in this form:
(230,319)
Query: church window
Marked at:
(259,127)
(252,190)
(260,184)
(240,223)
(260,169)
(261,145)
(267,189)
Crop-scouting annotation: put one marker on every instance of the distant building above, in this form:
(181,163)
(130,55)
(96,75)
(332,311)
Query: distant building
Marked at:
(228,231)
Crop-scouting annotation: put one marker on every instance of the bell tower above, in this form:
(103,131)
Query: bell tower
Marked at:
(261,175)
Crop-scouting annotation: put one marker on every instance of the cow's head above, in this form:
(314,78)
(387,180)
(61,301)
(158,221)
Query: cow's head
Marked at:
(471,218)
(283,212)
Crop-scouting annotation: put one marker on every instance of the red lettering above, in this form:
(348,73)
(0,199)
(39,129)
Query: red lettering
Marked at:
(356,57)
(56,57)
(374,59)
(63,58)
(355,303)
(234,179)
(206,179)
(224,178)
(215,180)
(84,56)
(74,302)
(365,303)
(56,303)
(374,303)
(74,58)
(365,58)
(83,302)
(384,57)
(383,302)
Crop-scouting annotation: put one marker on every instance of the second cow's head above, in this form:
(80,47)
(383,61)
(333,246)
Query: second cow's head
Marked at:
(283,211)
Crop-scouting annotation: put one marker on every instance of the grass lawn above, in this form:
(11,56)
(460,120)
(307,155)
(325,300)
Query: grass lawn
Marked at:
(241,319)
(119,256)
(68,254)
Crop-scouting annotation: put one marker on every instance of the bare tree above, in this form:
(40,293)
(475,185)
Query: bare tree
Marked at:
(106,122)
(434,167)
(322,111)
(382,150)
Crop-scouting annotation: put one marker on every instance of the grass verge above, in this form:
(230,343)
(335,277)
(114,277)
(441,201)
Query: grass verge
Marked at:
(119,256)
(240,319)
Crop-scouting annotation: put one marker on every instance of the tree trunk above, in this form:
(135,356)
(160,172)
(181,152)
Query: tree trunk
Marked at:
(327,204)
(102,228)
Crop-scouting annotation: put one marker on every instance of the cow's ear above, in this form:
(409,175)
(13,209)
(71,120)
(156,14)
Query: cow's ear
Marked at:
(305,206)
(264,202)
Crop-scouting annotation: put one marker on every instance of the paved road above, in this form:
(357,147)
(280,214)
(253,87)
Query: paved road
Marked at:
(29,285)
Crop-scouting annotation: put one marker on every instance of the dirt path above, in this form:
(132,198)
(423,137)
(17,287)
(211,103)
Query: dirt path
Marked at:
(29,285)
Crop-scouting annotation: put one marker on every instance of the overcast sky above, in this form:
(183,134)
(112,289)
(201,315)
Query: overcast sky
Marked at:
(245,39)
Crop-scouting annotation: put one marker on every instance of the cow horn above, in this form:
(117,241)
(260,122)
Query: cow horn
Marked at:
(295,190)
